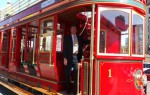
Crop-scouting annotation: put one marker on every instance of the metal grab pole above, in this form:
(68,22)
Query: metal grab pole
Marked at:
(22,45)
(34,48)
(51,46)
(78,79)
(91,50)
(12,59)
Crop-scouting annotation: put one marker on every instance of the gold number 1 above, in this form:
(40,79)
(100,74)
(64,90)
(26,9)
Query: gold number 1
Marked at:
(109,73)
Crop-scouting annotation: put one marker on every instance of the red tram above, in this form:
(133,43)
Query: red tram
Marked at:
(31,50)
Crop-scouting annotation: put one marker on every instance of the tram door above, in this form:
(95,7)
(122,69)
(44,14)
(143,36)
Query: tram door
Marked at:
(31,43)
(82,19)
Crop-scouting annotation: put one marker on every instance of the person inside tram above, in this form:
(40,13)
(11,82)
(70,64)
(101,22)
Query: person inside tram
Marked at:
(72,57)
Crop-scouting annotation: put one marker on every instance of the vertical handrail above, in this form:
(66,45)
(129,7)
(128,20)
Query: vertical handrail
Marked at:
(12,58)
(91,49)
(22,45)
(78,79)
(50,63)
(34,44)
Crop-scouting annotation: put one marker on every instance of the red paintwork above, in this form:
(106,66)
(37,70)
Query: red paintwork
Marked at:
(18,46)
(3,59)
(54,47)
(113,44)
(1,39)
(33,80)
(37,45)
(122,80)
(10,47)
(122,66)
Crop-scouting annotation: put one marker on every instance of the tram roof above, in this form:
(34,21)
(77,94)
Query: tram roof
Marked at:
(29,8)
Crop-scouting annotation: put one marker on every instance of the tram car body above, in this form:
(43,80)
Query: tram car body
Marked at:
(31,45)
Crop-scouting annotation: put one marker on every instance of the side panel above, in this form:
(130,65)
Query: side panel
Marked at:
(116,78)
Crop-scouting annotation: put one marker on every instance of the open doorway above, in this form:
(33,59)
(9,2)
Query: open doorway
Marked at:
(80,17)
(28,48)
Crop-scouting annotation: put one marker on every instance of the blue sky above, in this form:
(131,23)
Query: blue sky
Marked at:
(3,3)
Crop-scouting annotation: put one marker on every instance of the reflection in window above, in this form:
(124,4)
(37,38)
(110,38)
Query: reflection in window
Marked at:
(46,35)
(115,37)
(47,26)
(102,41)
(137,42)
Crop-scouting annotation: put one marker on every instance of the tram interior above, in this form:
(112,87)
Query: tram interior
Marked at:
(81,18)
(37,49)
(28,46)
(29,42)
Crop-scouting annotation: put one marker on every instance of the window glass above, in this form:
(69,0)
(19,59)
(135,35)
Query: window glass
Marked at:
(59,43)
(46,35)
(114,32)
(14,41)
(137,38)
(5,42)
(47,25)
(60,30)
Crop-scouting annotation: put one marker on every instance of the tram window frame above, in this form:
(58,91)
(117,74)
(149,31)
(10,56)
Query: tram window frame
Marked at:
(5,43)
(46,35)
(101,9)
(60,37)
(142,17)
(13,49)
(105,33)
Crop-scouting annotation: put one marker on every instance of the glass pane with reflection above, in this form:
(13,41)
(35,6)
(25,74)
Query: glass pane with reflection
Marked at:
(137,31)
(114,32)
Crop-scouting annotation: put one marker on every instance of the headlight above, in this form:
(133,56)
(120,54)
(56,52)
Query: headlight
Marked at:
(138,74)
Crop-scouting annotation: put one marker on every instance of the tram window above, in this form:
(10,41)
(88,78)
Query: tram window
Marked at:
(102,41)
(60,30)
(5,42)
(45,42)
(114,32)
(14,41)
(137,38)
(46,35)
(31,45)
(59,43)
(47,25)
